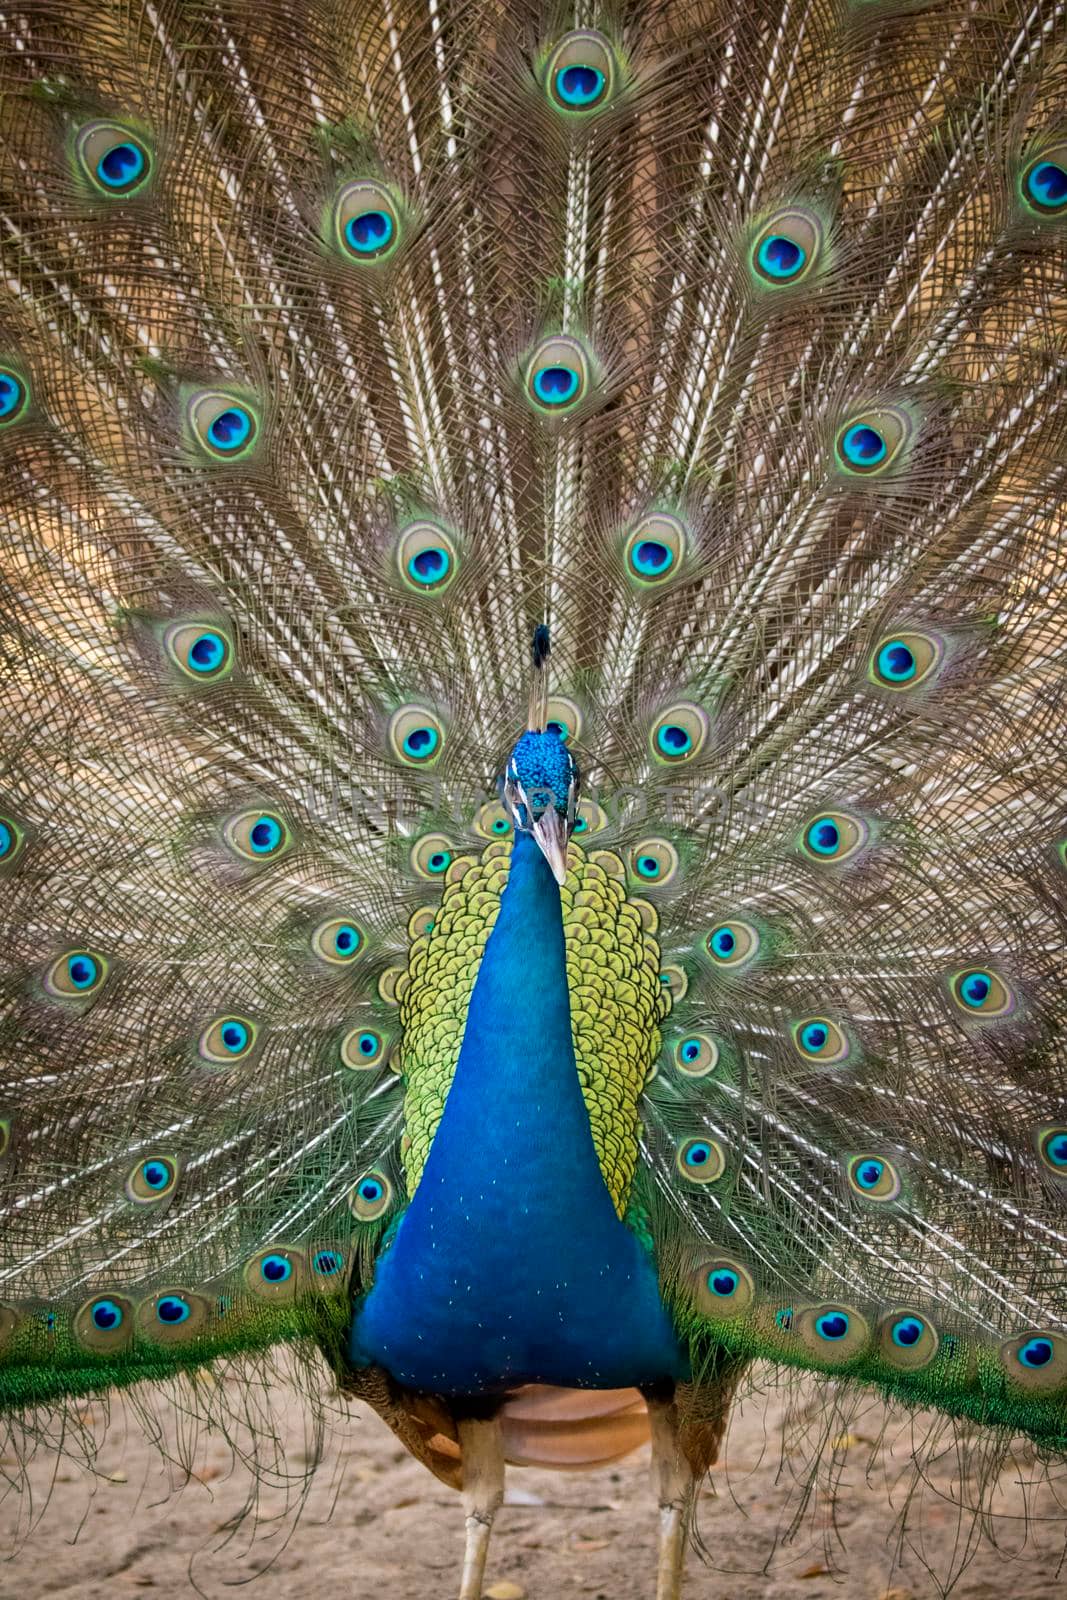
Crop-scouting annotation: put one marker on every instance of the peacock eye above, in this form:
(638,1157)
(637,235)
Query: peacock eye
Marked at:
(701,1160)
(415,736)
(14,396)
(1036,1360)
(12,841)
(872,441)
(696,1055)
(224,427)
(654,862)
(833,836)
(655,548)
(152,1179)
(276,1268)
(226,1039)
(366,221)
(905,660)
(1044,182)
(978,992)
(557,374)
(1052,1148)
(722,1289)
(200,652)
(257,835)
(732,944)
(492,821)
(115,161)
(337,941)
(327,1263)
(907,1340)
(361,1049)
(679,733)
(433,855)
(873,1177)
(76,975)
(370,1196)
(819,1039)
(426,558)
(581,71)
(787,247)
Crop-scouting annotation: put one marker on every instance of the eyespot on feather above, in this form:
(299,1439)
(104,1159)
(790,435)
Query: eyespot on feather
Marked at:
(832,1334)
(227,1039)
(870,442)
(117,162)
(416,736)
(557,374)
(257,836)
(1051,1142)
(337,941)
(906,659)
(981,994)
(366,222)
(733,944)
(696,1054)
(722,1289)
(363,1049)
(1043,183)
(589,818)
(202,652)
(653,863)
(564,718)
(174,1316)
(277,1273)
(12,842)
(819,1039)
(833,837)
(493,821)
(426,558)
(76,976)
(432,856)
(105,1323)
(873,1177)
(370,1196)
(154,1178)
(655,549)
(907,1340)
(701,1160)
(679,733)
(787,248)
(14,395)
(224,426)
(1035,1360)
(581,73)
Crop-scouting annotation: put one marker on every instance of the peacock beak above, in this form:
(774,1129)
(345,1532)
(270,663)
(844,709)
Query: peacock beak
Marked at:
(550,830)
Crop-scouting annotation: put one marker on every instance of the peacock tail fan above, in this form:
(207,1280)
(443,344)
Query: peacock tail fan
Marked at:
(342,346)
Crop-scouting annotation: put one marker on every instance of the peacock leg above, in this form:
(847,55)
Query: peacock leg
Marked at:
(676,1487)
(482,1445)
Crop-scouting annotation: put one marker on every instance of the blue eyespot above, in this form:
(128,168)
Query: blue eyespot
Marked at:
(368,1044)
(173,1309)
(673,741)
(155,1175)
(346,939)
(832,1325)
(230,429)
(723,1281)
(581,825)
(823,837)
(328,1263)
(723,943)
(234,1036)
(907,1332)
(82,970)
(502,825)
(580,86)
(1046,185)
(555,386)
(1036,1353)
(701,1160)
(265,835)
(698,1154)
(439,862)
(1053,1148)
(106,1315)
(780,258)
(690,1050)
(13,395)
(974,988)
(652,559)
(420,743)
(648,866)
(863,446)
(121,166)
(430,566)
(370,1190)
(369,233)
(896,662)
(207,653)
(813,1036)
(869,1173)
(783,1318)
(276,1269)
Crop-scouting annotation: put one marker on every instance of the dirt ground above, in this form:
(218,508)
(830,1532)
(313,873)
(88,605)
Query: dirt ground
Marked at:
(376,1524)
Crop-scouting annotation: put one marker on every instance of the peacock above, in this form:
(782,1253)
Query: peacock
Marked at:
(531,803)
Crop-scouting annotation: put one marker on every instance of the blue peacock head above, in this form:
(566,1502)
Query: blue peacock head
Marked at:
(541,780)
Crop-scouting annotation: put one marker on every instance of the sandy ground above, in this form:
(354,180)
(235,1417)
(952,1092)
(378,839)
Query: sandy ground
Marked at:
(375,1523)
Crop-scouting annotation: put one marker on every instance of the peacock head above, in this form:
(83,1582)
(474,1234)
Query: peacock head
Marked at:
(540,791)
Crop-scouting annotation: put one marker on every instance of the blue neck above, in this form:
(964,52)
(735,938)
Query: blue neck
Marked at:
(510,1264)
